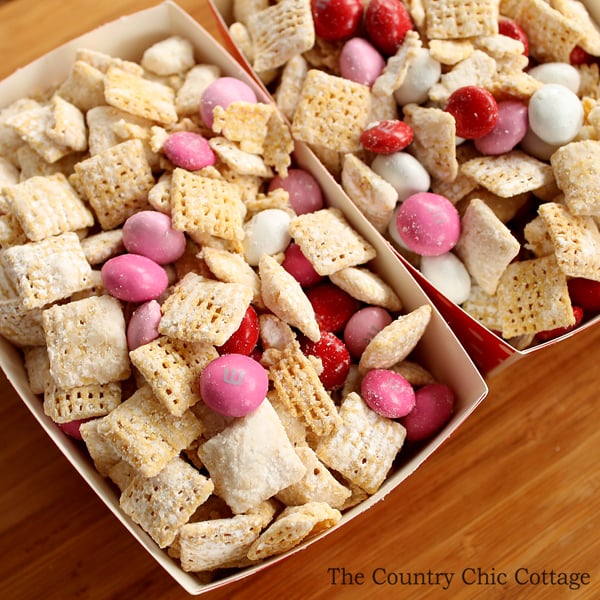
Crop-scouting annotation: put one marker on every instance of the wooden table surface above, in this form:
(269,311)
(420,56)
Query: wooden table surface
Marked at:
(513,495)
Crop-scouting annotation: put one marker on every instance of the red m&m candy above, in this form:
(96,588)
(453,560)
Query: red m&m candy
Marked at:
(475,111)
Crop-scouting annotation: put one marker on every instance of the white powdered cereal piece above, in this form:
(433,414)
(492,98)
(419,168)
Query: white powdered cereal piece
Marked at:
(197,79)
(68,128)
(283,295)
(292,79)
(453,19)
(170,56)
(83,87)
(99,247)
(100,449)
(20,326)
(396,341)
(397,66)
(366,286)
(37,366)
(450,52)
(242,162)
(374,196)
(9,175)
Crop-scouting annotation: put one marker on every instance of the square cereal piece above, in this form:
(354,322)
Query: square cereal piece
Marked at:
(239,161)
(139,96)
(575,238)
(298,388)
(434,143)
(171,368)
(45,271)
(537,238)
(283,296)
(533,296)
(374,196)
(102,61)
(329,242)
(578,14)
(162,504)
(80,402)
(291,81)
(87,342)
(278,145)
(83,87)
(577,171)
(99,247)
(197,79)
(204,310)
(366,286)
(551,35)
(294,524)
(37,366)
(454,19)
(332,112)
(217,543)
(280,32)
(170,56)
(486,245)
(20,326)
(251,459)
(115,182)
(484,308)
(47,206)
(364,447)
(509,174)
(103,454)
(11,232)
(68,128)
(10,140)
(317,485)
(395,341)
(146,434)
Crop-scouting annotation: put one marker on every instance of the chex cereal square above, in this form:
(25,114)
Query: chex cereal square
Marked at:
(461,18)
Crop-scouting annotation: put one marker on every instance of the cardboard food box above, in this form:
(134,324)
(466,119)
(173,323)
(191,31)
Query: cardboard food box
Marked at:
(439,350)
(487,348)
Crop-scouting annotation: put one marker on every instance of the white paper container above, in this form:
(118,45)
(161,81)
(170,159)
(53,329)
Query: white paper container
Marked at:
(439,350)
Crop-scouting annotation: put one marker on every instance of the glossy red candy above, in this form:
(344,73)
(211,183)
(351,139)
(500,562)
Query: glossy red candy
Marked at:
(551,334)
(336,19)
(334,356)
(333,306)
(244,339)
(475,111)
(585,293)
(580,57)
(513,30)
(386,137)
(387,23)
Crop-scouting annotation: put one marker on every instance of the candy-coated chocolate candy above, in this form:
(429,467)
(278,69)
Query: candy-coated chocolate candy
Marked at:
(387,393)
(579,56)
(449,275)
(513,30)
(222,92)
(189,150)
(297,265)
(428,223)
(267,232)
(551,334)
(360,61)
(387,136)
(403,171)
(510,129)
(151,234)
(363,326)
(475,111)
(134,278)
(387,22)
(303,189)
(585,293)
(332,305)
(244,339)
(555,113)
(421,74)
(233,385)
(557,72)
(143,324)
(334,356)
(434,404)
(336,19)
(71,428)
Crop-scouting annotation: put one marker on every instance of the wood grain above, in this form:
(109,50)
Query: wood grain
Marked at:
(517,487)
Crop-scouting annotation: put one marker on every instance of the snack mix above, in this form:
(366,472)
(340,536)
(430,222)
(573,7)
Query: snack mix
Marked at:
(189,308)
(467,132)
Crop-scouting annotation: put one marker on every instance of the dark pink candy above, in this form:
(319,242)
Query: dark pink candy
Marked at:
(301,269)
(434,404)
(303,188)
(509,130)
(363,326)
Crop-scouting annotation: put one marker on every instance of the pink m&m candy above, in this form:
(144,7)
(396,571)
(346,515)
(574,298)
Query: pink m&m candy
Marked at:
(361,62)
(434,404)
(510,129)
(233,385)
(143,324)
(304,190)
(134,278)
(189,150)
(222,92)
(297,265)
(363,326)
(387,393)
(151,234)
(428,223)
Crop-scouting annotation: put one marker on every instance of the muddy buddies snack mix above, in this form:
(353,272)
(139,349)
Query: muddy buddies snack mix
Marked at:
(483,114)
(182,295)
